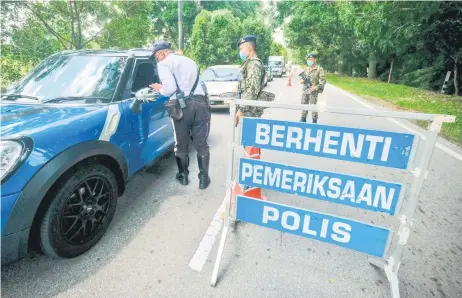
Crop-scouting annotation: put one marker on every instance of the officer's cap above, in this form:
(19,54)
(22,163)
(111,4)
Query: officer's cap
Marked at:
(247,38)
(312,55)
(160,45)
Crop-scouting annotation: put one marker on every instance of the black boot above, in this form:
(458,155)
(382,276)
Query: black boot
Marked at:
(183,172)
(204,179)
(303,119)
(315,120)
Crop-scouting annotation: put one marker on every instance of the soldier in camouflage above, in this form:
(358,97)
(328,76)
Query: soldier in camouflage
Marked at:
(252,71)
(315,73)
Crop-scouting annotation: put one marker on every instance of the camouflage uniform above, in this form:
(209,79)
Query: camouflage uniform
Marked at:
(318,79)
(252,71)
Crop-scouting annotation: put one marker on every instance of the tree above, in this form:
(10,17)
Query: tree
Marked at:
(239,9)
(263,34)
(130,27)
(164,18)
(73,23)
(213,38)
(278,50)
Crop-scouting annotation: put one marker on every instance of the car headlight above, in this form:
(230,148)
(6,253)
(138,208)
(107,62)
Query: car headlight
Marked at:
(12,155)
(228,95)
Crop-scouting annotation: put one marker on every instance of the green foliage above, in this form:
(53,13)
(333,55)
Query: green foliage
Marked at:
(213,38)
(130,26)
(407,98)
(164,17)
(33,30)
(215,35)
(421,39)
(278,50)
(262,32)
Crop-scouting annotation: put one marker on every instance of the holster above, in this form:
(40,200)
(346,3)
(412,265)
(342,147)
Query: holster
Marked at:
(174,109)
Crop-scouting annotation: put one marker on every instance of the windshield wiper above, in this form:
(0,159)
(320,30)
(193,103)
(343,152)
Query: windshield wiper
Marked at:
(72,98)
(16,96)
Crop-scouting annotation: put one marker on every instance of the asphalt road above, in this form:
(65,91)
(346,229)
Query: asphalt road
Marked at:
(159,225)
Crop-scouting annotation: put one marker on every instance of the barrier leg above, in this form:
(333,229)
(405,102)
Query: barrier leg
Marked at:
(229,189)
(391,266)
(392,276)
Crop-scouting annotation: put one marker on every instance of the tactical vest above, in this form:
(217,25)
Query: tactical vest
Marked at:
(244,72)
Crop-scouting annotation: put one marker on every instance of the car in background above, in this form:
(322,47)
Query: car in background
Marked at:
(222,82)
(73,132)
(276,68)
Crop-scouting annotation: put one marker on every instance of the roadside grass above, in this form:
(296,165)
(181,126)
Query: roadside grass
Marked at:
(407,98)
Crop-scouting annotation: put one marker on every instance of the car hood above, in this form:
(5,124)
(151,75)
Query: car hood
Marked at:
(21,119)
(217,88)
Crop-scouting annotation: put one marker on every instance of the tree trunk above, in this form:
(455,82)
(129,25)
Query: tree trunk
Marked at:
(391,70)
(372,65)
(350,70)
(456,83)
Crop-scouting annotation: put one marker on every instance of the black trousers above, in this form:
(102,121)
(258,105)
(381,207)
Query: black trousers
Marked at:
(196,120)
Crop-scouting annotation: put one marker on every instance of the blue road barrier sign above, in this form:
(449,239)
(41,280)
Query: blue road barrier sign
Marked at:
(333,187)
(343,232)
(382,148)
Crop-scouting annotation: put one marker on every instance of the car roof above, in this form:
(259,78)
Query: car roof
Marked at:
(115,53)
(225,66)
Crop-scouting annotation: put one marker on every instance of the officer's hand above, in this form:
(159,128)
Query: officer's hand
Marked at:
(302,82)
(313,88)
(239,114)
(156,86)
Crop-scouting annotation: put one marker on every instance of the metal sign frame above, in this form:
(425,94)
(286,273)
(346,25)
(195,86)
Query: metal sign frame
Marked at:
(405,214)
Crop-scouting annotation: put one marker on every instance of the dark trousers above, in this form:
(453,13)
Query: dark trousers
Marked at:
(196,120)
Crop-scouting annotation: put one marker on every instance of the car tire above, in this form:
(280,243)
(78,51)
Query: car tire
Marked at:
(88,199)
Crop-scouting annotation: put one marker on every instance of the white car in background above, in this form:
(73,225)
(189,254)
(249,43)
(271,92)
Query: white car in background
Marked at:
(222,83)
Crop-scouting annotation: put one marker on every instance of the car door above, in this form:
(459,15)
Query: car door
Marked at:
(150,132)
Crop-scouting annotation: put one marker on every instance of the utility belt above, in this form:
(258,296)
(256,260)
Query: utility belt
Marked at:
(176,105)
(196,97)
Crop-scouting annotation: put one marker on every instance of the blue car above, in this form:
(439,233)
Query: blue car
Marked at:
(73,132)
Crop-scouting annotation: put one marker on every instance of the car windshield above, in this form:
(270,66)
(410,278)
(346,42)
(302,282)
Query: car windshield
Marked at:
(221,74)
(71,77)
(275,63)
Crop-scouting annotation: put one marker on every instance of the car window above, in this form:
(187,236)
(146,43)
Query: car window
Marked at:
(221,74)
(74,77)
(145,74)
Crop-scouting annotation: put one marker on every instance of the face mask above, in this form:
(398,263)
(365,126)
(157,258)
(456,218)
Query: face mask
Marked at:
(242,56)
(309,62)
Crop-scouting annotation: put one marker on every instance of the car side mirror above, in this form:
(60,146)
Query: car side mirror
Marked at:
(141,96)
(146,94)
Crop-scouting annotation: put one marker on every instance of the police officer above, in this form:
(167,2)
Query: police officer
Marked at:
(179,73)
(252,71)
(318,81)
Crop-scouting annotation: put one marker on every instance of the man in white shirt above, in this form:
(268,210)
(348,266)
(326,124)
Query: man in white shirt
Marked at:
(180,74)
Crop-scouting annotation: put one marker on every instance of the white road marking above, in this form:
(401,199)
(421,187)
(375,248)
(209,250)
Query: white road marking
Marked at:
(279,96)
(205,246)
(422,136)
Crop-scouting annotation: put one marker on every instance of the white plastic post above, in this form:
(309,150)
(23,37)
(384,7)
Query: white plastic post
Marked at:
(229,186)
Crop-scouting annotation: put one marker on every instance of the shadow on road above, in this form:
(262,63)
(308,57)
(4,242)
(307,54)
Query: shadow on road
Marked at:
(36,276)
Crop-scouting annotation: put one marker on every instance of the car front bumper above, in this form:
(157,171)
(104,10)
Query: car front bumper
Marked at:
(219,101)
(14,244)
